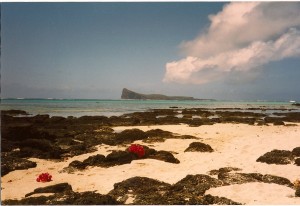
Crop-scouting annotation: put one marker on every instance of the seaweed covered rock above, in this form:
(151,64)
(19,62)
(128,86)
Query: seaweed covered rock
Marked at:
(194,185)
(296,151)
(199,147)
(223,170)
(164,156)
(95,160)
(157,135)
(277,157)
(130,135)
(78,164)
(66,198)
(112,159)
(145,190)
(277,123)
(277,180)
(297,193)
(118,158)
(10,163)
(239,178)
(215,200)
(58,188)
(297,162)
(14,112)
(40,148)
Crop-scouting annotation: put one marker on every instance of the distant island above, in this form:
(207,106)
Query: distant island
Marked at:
(128,94)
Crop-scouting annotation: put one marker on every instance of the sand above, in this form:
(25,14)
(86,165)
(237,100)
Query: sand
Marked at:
(235,145)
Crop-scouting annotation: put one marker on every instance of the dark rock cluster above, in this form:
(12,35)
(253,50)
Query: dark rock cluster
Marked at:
(146,191)
(63,195)
(282,157)
(120,157)
(189,190)
(10,163)
(47,137)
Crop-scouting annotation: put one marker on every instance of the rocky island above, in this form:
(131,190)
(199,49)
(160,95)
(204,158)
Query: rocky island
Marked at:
(128,94)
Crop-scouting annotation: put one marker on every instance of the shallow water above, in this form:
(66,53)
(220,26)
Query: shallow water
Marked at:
(81,107)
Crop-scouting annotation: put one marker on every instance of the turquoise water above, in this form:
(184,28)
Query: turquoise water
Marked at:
(81,107)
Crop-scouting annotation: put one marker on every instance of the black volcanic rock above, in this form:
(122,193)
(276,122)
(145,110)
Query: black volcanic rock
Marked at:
(127,94)
(199,147)
(10,163)
(58,188)
(281,157)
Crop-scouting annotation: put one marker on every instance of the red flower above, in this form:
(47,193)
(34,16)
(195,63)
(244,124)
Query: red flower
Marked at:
(137,149)
(44,177)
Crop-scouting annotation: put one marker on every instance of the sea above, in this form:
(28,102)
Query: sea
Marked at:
(98,107)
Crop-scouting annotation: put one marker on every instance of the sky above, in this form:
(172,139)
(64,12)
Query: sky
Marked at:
(214,50)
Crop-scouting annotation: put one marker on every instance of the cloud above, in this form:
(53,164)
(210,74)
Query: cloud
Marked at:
(241,38)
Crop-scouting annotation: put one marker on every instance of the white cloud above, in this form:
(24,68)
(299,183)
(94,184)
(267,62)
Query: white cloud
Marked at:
(242,37)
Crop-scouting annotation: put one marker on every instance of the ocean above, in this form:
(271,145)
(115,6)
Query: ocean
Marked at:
(92,107)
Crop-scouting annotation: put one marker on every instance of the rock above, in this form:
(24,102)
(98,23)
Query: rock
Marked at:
(239,178)
(10,163)
(195,122)
(164,156)
(58,188)
(215,200)
(66,198)
(276,157)
(79,149)
(297,162)
(189,190)
(145,190)
(223,170)
(129,136)
(195,185)
(157,135)
(118,158)
(14,112)
(277,180)
(39,148)
(96,160)
(199,147)
(296,151)
(88,198)
(297,193)
(22,132)
(78,165)
(40,118)
(278,123)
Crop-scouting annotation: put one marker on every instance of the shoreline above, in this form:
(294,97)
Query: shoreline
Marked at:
(236,148)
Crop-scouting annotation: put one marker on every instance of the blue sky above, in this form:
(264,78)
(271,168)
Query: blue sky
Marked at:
(93,50)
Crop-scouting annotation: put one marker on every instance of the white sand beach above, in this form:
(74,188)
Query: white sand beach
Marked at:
(235,145)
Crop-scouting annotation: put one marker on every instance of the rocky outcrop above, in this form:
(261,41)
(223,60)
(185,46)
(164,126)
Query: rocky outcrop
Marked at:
(281,157)
(127,94)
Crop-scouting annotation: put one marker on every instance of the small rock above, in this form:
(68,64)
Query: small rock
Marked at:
(199,147)
(297,162)
(58,188)
(297,193)
(277,157)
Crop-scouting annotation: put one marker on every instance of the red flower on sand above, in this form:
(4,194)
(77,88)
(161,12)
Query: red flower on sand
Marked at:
(137,149)
(44,177)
